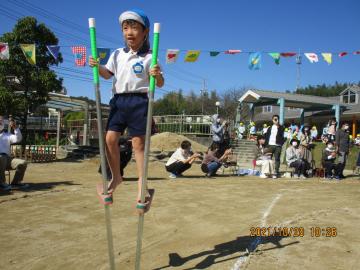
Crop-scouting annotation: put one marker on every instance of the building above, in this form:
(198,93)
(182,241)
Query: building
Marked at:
(260,105)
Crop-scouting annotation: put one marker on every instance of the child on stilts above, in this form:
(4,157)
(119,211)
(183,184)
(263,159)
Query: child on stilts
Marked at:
(130,69)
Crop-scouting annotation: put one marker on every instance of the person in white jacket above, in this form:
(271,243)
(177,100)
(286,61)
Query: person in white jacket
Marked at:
(6,161)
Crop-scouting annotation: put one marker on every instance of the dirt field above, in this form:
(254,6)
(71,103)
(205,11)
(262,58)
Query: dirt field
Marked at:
(194,223)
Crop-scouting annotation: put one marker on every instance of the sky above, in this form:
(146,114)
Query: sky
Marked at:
(247,25)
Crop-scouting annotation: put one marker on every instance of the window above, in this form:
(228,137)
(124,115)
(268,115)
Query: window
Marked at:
(267,109)
(349,97)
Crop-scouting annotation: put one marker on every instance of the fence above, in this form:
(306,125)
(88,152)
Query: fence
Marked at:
(184,124)
(35,153)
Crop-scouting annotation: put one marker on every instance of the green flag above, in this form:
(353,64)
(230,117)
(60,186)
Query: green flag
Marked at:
(214,53)
(276,57)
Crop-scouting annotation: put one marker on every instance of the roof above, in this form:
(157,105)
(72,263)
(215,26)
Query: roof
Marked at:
(355,88)
(306,102)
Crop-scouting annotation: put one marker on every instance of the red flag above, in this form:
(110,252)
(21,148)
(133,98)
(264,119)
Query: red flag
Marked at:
(232,51)
(288,54)
(80,55)
(342,54)
(357,52)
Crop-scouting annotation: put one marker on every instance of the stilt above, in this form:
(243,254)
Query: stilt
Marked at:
(147,145)
(101,142)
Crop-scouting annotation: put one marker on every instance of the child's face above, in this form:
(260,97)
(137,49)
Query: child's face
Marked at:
(134,34)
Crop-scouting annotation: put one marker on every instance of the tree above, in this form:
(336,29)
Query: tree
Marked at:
(324,90)
(25,87)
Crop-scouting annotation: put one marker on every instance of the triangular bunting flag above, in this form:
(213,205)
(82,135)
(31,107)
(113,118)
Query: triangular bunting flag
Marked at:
(80,55)
(357,52)
(342,54)
(53,50)
(327,57)
(4,51)
(255,61)
(232,51)
(29,52)
(276,57)
(192,56)
(104,54)
(287,54)
(313,58)
(214,53)
(172,55)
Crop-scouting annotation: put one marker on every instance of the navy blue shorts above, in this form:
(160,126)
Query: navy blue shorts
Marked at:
(128,111)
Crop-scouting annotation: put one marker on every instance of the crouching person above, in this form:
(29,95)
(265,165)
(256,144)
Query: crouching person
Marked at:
(181,160)
(6,162)
(211,163)
(328,160)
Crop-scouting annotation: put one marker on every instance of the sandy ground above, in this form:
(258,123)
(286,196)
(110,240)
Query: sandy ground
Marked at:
(195,222)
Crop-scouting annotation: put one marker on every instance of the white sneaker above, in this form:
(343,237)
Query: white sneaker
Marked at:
(274,176)
(302,176)
(296,176)
(263,175)
(172,176)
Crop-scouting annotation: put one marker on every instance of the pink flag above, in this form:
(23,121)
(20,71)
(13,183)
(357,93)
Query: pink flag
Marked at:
(357,52)
(80,55)
(232,51)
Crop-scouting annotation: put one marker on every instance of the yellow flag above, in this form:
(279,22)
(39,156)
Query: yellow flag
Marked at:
(192,56)
(29,52)
(327,57)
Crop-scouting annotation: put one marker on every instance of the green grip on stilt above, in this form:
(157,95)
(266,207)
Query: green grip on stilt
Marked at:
(94,49)
(154,58)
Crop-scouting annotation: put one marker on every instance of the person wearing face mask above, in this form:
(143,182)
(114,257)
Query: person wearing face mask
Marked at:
(274,139)
(262,158)
(6,162)
(294,160)
(342,148)
(181,160)
(328,160)
(217,130)
(306,145)
(211,162)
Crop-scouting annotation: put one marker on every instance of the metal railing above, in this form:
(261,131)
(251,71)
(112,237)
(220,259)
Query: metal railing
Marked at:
(184,124)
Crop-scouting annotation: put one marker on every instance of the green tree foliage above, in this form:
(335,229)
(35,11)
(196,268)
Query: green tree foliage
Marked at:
(25,87)
(324,90)
(174,103)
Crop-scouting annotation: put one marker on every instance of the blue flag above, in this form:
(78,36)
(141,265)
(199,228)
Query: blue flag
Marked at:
(54,50)
(104,54)
(255,61)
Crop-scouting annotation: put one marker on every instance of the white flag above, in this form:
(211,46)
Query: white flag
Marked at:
(171,55)
(4,51)
(313,58)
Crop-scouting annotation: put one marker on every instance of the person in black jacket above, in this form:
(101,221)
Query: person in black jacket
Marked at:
(274,139)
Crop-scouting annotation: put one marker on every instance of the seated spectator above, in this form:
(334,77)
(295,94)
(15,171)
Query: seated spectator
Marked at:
(357,140)
(262,157)
(328,160)
(181,160)
(314,133)
(6,161)
(252,131)
(265,128)
(241,131)
(211,162)
(293,159)
(125,149)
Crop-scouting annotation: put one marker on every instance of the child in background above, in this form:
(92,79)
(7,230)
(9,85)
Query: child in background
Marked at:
(131,71)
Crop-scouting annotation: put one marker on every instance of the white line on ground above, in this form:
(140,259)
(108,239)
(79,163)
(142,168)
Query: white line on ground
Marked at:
(242,260)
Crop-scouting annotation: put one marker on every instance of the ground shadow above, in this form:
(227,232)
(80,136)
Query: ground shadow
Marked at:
(245,244)
(40,187)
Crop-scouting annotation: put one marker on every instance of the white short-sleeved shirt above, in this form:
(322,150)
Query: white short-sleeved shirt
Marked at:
(131,71)
(178,155)
(274,131)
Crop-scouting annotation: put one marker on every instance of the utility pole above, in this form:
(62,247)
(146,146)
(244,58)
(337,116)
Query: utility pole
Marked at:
(298,75)
(203,92)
